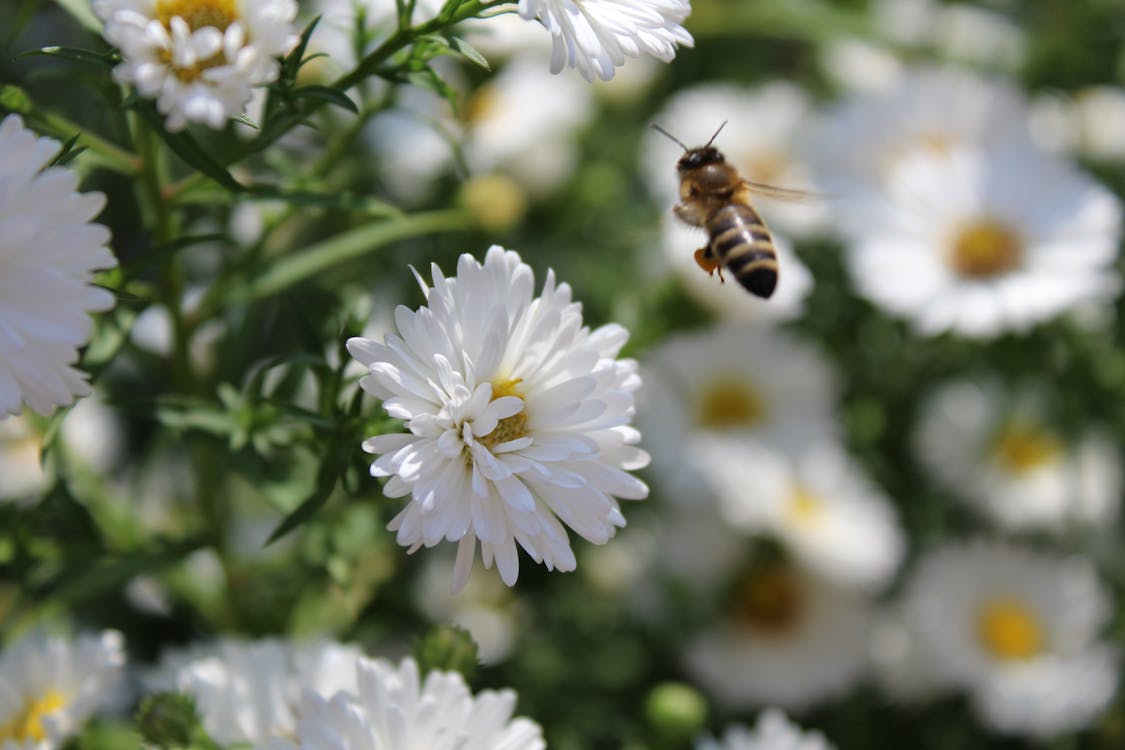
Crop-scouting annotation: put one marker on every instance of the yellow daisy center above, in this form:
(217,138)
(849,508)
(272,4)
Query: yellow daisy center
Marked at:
(770,601)
(1009,630)
(28,723)
(985,249)
(726,404)
(198,14)
(804,508)
(508,428)
(1021,447)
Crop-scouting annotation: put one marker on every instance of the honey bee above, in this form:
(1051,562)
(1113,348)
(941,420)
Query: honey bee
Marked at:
(713,195)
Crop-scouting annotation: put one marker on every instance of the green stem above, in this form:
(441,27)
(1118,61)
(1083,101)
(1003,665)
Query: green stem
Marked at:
(98,150)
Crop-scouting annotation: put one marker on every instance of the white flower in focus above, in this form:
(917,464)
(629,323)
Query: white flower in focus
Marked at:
(979,243)
(1000,452)
(773,731)
(50,686)
(595,36)
(790,639)
(49,250)
(393,707)
(517,417)
(1018,630)
(861,141)
(250,692)
(736,381)
(200,59)
(818,503)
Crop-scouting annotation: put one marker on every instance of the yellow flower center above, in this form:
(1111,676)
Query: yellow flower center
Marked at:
(727,404)
(28,723)
(1021,447)
(985,249)
(198,14)
(770,601)
(482,105)
(1009,630)
(764,167)
(804,508)
(508,428)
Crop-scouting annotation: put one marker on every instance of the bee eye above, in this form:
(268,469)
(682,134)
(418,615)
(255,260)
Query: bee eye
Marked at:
(693,191)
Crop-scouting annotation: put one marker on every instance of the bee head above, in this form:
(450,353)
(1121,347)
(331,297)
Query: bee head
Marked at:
(699,157)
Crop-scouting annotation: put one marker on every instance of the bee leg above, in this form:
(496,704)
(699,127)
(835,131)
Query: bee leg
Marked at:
(708,263)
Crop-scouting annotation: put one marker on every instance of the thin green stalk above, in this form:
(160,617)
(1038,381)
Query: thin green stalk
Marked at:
(98,150)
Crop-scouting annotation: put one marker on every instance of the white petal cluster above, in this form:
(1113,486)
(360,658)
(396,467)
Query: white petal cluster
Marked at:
(393,707)
(1017,630)
(773,731)
(1001,453)
(199,59)
(517,417)
(50,686)
(49,251)
(596,36)
(252,691)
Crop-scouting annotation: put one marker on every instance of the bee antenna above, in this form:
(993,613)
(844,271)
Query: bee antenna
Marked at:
(716,135)
(662,131)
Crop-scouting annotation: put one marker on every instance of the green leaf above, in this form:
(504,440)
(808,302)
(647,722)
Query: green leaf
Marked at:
(294,60)
(15,99)
(184,145)
(469,52)
(67,152)
(103,61)
(326,479)
(335,201)
(158,254)
(325,94)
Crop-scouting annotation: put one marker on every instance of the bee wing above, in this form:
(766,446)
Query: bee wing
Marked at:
(780,193)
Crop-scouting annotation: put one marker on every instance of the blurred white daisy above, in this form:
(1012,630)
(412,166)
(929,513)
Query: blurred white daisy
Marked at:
(49,251)
(50,686)
(393,707)
(1000,452)
(789,639)
(1018,630)
(979,242)
(1090,123)
(21,474)
(773,731)
(735,381)
(859,66)
(764,127)
(817,502)
(517,417)
(860,141)
(511,116)
(200,59)
(899,664)
(595,36)
(251,691)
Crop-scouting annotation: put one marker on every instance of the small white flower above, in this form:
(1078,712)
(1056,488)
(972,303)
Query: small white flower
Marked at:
(21,474)
(517,417)
(1016,629)
(1001,453)
(818,503)
(50,686)
(393,707)
(979,242)
(200,59)
(790,639)
(49,250)
(773,731)
(250,692)
(595,36)
(735,381)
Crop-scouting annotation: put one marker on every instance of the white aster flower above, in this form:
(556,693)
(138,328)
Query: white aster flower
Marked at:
(393,707)
(251,691)
(517,417)
(200,59)
(735,381)
(1000,452)
(979,242)
(50,686)
(817,502)
(861,140)
(773,731)
(49,250)
(790,639)
(595,36)
(1018,630)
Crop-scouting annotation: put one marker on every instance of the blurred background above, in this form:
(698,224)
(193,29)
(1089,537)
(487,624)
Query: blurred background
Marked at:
(885,500)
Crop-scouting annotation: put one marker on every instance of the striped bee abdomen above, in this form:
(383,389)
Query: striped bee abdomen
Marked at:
(741,242)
